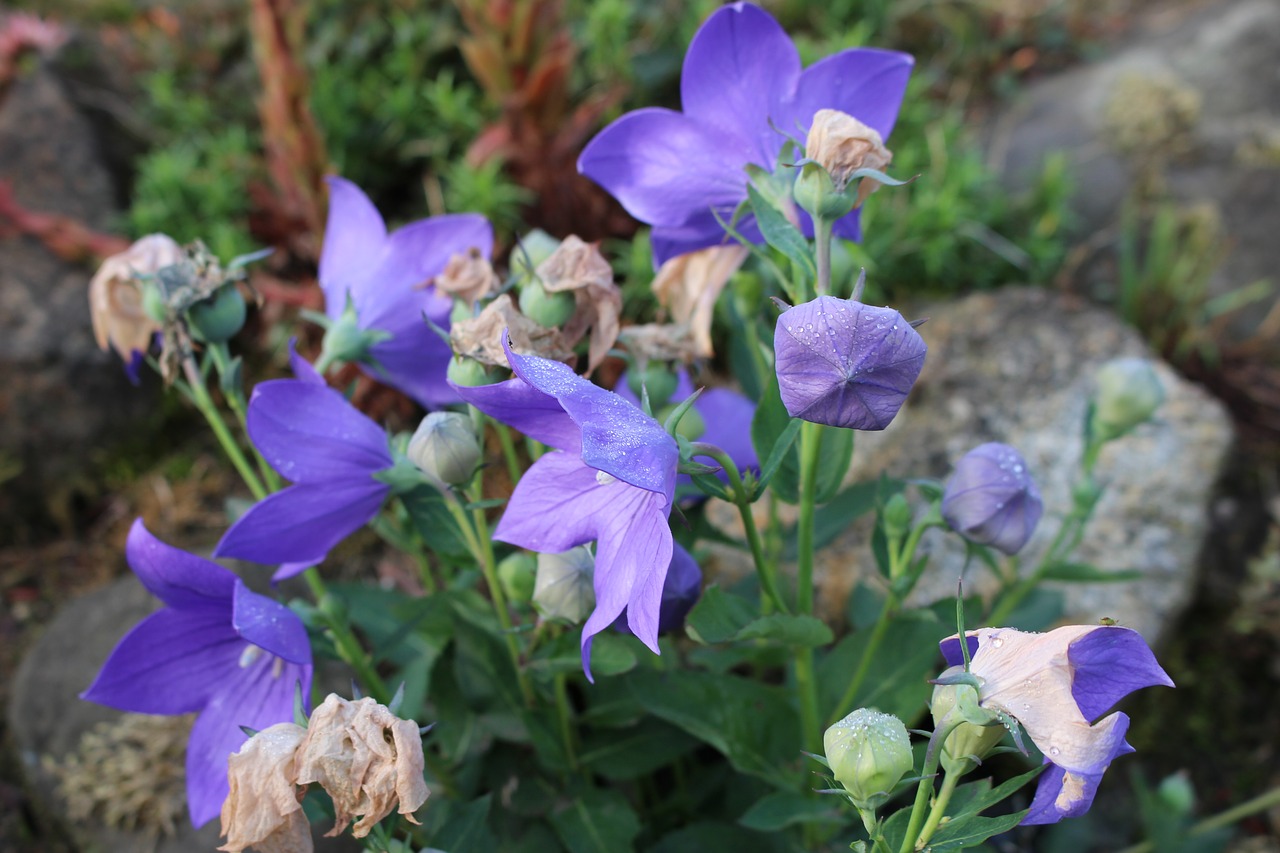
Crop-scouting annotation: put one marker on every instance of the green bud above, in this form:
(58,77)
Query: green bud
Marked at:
(897,517)
(968,744)
(564,586)
(1129,393)
(869,752)
(816,193)
(470,373)
(534,248)
(691,425)
(516,573)
(345,341)
(460,312)
(548,310)
(658,378)
(1177,793)
(444,447)
(218,318)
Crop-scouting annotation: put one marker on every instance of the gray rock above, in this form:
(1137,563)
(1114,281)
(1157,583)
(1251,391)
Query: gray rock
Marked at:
(1189,110)
(62,397)
(1016,366)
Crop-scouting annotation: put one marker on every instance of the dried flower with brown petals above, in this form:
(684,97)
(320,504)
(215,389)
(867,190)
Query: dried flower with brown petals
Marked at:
(842,145)
(115,297)
(468,277)
(480,338)
(366,758)
(579,267)
(688,286)
(264,809)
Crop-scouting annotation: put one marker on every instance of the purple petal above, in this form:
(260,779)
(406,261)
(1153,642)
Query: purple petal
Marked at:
(416,361)
(617,437)
(740,69)
(558,504)
(302,369)
(701,232)
(865,83)
(849,226)
(288,570)
(169,663)
(633,554)
(951,649)
(1109,663)
(666,168)
(311,434)
(260,696)
(1062,793)
(301,523)
(680,591)
(353,238)
(521,406)
(270,625)
(175,577)
(843,363)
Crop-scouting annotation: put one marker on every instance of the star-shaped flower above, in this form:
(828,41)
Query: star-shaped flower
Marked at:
(743,92)
(216,649)
(386,278)
(610,479)
(1057,685)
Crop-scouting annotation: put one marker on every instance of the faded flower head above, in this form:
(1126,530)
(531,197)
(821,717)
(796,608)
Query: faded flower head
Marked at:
(577,267)
(842,145)
(115,297)
(480,338)
(264,808)
(688,286)
(468,276)
(743,91)
(1057,686)
(843,363)
(869,752)
(444,447)
(991,498)
(368,760)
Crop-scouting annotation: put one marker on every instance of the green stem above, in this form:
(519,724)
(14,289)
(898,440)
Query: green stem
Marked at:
(200,397)
(508,450)
(807,686)
(925,788)
(822,246)
(939,809)
(1260,803)
(868,654)
(810,457)
(566,720)
(348,647)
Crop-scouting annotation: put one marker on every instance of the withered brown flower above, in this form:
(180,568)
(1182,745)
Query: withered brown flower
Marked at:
(480,338)
(469,277)
(115,297)
(688,286)
(841,144)
(264,809)
(579,267)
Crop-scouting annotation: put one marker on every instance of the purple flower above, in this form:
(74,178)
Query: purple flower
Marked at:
(611,479)
(991,498)
(1056,685)
(842,363)
(386,275)
(313,437)
(743,93)
(217,649)
(680,591)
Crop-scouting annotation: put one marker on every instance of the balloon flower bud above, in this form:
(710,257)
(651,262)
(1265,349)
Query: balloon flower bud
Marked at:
(564,586)
(444,447)
(218,318)
(516,573)
(546,309)
(869,752)
(991,498)
(969,743)
(846,364)
(657,379)
(1129,392)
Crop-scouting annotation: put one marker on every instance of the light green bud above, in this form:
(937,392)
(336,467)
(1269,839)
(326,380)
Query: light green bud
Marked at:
(968,744)
(548,310)
(534,248)
(470,373)
(869,752)
(564,588)
(1129,393)
(444,447)
(516,573)
(691,425)
(218,318)
(897,517)
(658,378)
(1177,793)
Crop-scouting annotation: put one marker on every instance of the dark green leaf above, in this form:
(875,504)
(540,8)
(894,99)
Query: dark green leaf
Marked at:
(781,234)
(785,808)
(971,830)
(597,822)
(638,751)
(788,630)
(467,829)
(767,427)
(433,522)
(1085,573)
(719,616)
(707,836)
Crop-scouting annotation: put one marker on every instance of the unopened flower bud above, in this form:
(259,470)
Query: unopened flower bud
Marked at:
(897,517)
(969,743)
(842,145)
(842,363)
(444,447)
(869,752)
(658,379)
(564,588)
(991,498)
(1129,393)
(467,277)
(817,193)
(546,309)
(218,318)
(1176,792)
(470,373)
(115,295)
(691,425)
(516,573)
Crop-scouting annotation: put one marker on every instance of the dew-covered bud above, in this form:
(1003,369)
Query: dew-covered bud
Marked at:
(1129,393)
(516,573)
(991,498)
(444,447)
(564,588)
(218,318)
(969,743)
(869,752)
(846,364)
(842,145)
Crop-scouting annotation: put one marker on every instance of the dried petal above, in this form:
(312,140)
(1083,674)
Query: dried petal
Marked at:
(469,277)
(688,286)
(480,338)
(264,808)
(578,266)
(842,145)
(115,297)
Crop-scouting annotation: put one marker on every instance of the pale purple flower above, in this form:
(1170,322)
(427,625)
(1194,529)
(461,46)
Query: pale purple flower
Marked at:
(386,278)
(313,437)
(843,363)
(991,498)
(743,93)
(680,591)
(217,649)
(1056,685)
(611,478)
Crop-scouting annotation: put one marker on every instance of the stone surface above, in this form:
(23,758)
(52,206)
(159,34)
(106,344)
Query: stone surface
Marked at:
(1016,366)
(62,397)
(1189,109)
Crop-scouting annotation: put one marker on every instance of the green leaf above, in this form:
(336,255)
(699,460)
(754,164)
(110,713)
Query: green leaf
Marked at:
(719,616)
(623,754)
(467,828)
(788,630)
(597,822)
(782,235)
(708,835)
(896,680)
(767,427)
(1037,611)
(836,454)
(781,447)
(971,830)
(426,508)
(781,809)
(611,654)
(1086,573)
